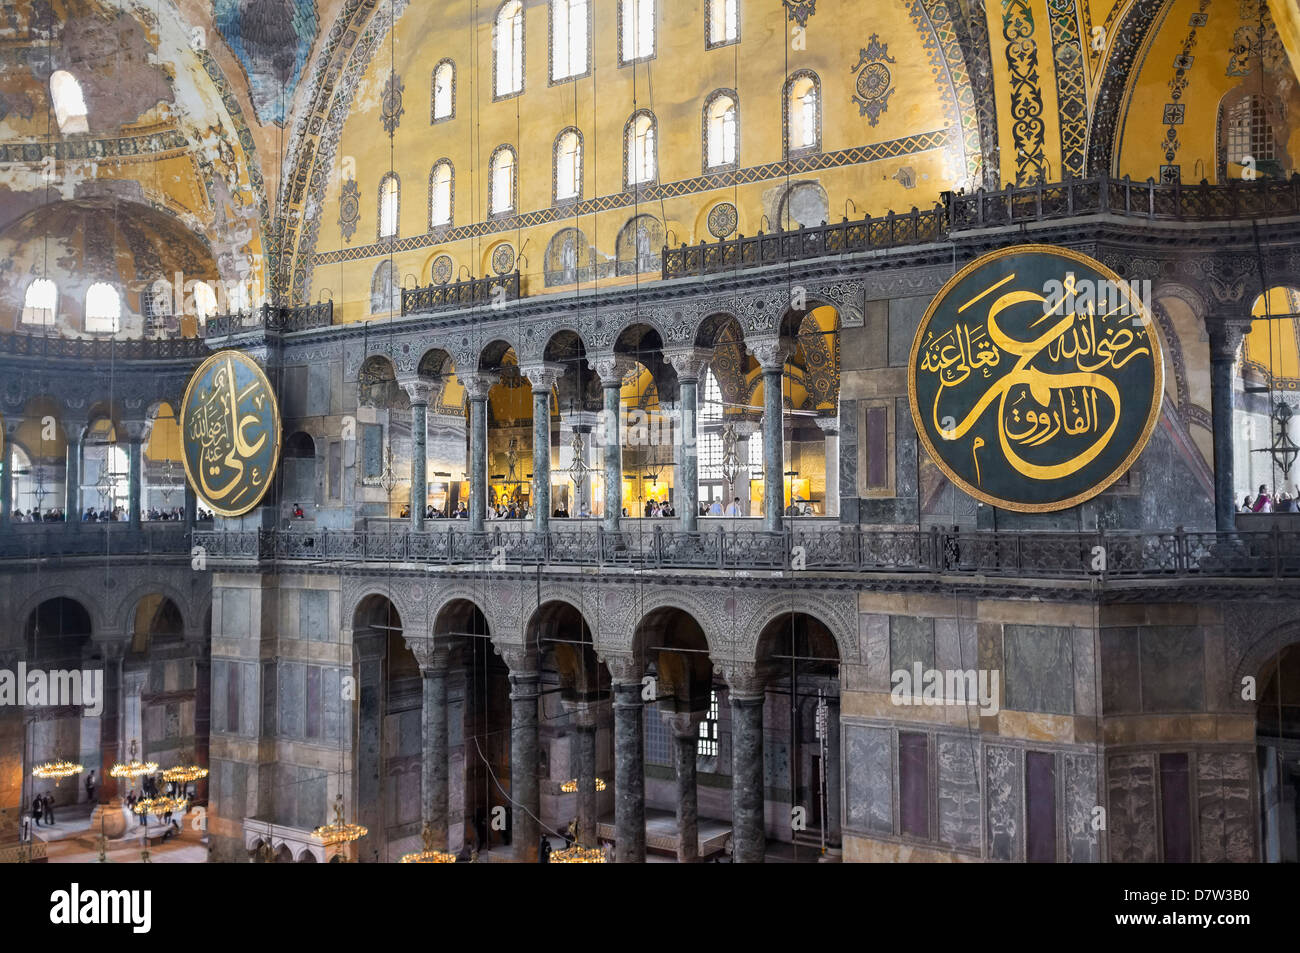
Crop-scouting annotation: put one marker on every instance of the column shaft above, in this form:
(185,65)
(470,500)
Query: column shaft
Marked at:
(688,821)
(542,460)
(71,488)
(1224,339)
(478,475)
(587,785)
(629,775)
(191,507)
(134,481)
(524,791)
(7,488)
(419,464)
(748,828)
(434,766)
(832,474)
(773,450)
(688,463)
(613,455)
(833,770)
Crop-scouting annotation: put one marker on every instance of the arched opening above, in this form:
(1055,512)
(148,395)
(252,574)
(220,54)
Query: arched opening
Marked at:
(57,630)
(1267,432)
(503,185)
(641,150)
(575,474)
(441,195)
(103,308)
(568,166)
(69,103)
(444,91)
(800,662)
(283,855)
(300,487)
(1277,735)
(157,620)
(509,435)
(648,407)
(384,442)
(478,717)
(388,701)
(721,131)
(105,472)
(306,857)
(508,46)
(40,302)
(163,473)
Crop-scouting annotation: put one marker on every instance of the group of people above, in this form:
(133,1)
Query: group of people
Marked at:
(1263,503)
(657,509)
(175,513)
(43,809)
(716,509)
(53,515)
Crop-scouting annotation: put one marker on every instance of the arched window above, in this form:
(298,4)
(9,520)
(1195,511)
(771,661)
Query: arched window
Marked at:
(640,159)
(803,114)
(69,103)
(508,40)
(721,130)
(103,308)
(568,165)
(569,38)
(1248,137)
(502,198)
(385,293)
(441,180)
(636,24)
(444,91)
(41,303)
(711,404)
(205,302)
(388,205)
(724,22)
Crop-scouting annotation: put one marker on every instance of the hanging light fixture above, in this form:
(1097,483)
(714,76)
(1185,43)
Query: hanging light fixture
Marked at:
(339,832)
(578,855)
(56,770)
(731,468)
(161,805)
(134,768)
(430,855)
(570,786)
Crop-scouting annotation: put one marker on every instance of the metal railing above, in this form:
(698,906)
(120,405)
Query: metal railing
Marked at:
(51,346)
(1176,554)
(271,318)
(461,294)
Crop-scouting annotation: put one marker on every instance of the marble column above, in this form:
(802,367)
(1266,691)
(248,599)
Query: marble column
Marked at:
(1225,338)
(7,486)
(421,393)
(477,386)
(137,434)
(629,763)
(432,659)
(830,428)
(191,507)
(525,794)
(686,734)
(611,371)
(746,695)
(369,647)
(543,377)
(690,365)
(771,355)
(72,479)
(586,725)
(833,808)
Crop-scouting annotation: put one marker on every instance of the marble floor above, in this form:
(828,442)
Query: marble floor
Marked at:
(70,840)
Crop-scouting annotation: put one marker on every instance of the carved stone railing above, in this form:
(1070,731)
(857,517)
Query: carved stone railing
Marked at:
(1175,554)
(46,540)
(51,347)
(461,294)
(271,318)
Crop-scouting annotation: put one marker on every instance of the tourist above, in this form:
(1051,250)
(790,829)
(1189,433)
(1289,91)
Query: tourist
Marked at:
(298,514)
(733,508)
(49,810)
(38,809)
(90,787)
(715,508)
(1263,504)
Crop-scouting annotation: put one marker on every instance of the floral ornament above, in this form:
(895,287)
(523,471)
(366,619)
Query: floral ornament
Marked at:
(874,83)
(392,109)
(349,209)
(800,10)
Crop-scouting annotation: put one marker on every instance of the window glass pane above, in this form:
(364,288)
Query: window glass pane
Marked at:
(103,308)
(41,302)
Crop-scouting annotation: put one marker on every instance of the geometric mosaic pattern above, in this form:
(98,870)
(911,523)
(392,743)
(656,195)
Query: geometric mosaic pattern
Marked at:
(1071,88)
(909,145)
(1026,96)
(948,64)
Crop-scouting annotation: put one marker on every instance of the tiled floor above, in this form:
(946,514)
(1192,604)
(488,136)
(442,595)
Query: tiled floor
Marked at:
(71,841)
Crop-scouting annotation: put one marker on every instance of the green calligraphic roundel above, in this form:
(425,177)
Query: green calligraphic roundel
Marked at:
(1036,377)
(230,430)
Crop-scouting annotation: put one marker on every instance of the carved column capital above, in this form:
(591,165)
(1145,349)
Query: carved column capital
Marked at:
(610,368)
(686,724)
(830,426)
(543,375)
(688,362)
(520,659)
(771,353)
(136,431)
(421,391)
(478,383)
(1226,334)
(745,680)
(624,669)
(432,655)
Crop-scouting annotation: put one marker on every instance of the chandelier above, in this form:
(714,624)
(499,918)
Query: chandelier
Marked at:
(184,774)
(579,469)
(578,855)
(133,768)
(169,482)
(56,770)
(161,805)
(429,855)
(339,832)
(571,785)
(731,469)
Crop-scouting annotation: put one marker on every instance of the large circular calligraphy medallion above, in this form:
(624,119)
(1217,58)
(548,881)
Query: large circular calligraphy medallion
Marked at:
(1035,378)
(230,430)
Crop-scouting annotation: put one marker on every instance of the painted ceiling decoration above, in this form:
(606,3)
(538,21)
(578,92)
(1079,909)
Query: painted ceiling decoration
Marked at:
(272,39)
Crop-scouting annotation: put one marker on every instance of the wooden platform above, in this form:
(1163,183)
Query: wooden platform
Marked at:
(661,833)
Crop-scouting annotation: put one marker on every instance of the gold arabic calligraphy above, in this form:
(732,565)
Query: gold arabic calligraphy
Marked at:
(1036,407)
(220,428)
